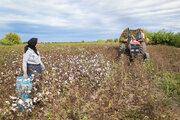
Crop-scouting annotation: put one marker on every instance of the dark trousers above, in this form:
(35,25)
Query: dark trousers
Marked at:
(35,69)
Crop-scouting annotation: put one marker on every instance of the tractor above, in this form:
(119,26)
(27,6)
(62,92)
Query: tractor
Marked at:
(133,47)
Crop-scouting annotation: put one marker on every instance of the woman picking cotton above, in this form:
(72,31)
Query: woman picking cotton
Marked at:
(32,63)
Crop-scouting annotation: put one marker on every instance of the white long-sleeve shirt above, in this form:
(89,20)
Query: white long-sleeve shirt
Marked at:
(30,57)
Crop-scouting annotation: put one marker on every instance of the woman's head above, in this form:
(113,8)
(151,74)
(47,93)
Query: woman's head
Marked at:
(32,43)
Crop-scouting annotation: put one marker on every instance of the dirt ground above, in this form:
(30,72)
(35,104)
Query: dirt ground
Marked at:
(91,82)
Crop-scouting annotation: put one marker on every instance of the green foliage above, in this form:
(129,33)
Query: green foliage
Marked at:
(6,42)
(177,40)
(109,40)
(2,60)
(170,84)
(49,114)
(164,37)
(101,41)
(13,37)
(116,39)
(136,115)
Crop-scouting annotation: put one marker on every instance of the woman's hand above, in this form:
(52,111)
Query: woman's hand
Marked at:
(42,66)
(25,76)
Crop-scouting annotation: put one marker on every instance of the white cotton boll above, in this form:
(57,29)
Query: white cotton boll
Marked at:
(29,110)
(99,69)
(29,102)
(12,97)
(21,102)
(32,75)
(39,94)
(13,109)
(47,93)
(35,89)
(0,110)
(25,107)
(65,82)
(7,102)
(14,105)
(35,99)
(29,91)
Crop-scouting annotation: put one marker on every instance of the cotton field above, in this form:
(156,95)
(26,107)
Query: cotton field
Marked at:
(82,82)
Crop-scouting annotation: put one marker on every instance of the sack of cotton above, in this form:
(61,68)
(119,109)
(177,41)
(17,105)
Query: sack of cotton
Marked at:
(23,90)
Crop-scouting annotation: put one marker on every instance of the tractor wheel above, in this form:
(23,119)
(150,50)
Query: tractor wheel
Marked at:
(147,56)
(143,48)
(122,49)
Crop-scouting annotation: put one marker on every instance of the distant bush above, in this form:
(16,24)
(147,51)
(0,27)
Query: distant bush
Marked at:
(116,39)
(109,40)
(6,42)
(164,37)
(13,37)
(101,41)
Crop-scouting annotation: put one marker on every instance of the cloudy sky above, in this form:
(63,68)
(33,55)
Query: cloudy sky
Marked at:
(89,20)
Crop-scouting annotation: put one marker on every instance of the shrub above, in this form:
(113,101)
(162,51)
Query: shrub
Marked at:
(101,41)
(13,37)
(177,40)
(116,40)
(109,40)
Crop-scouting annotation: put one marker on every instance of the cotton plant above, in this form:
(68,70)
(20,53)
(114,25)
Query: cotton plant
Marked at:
(59,74)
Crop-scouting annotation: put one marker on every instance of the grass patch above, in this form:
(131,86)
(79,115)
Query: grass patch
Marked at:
(101,41)
(170,84)
(1,61)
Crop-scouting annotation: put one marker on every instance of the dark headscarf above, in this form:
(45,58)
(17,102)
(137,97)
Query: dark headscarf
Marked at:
(31,44)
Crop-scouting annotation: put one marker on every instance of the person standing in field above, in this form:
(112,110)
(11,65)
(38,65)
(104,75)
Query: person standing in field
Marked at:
(32,63)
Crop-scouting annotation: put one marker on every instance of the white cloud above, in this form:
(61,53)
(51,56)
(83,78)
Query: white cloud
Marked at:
(106,15)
